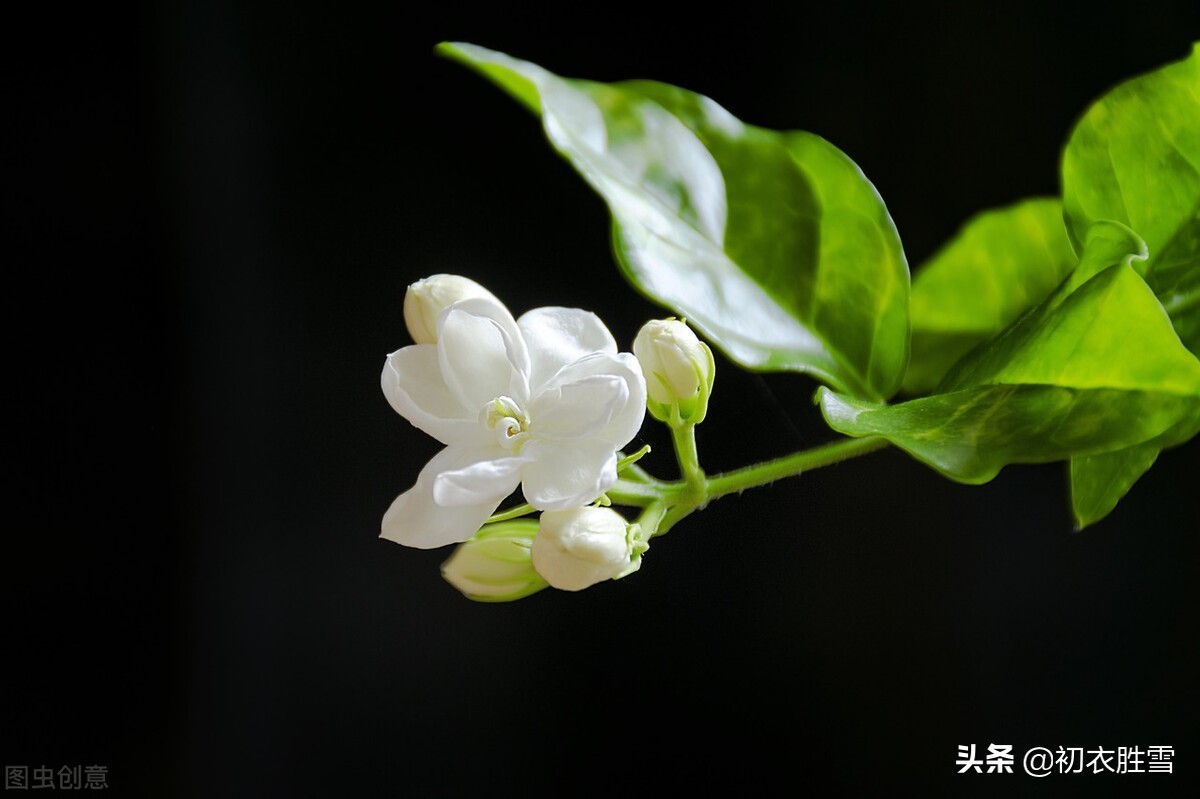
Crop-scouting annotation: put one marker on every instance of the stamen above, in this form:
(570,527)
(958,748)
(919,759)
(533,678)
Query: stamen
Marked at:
(503,416)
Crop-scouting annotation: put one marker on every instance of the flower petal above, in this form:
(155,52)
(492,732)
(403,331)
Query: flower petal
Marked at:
(557,337)
(416,520)
(482,353)
(627,420)
(412,382)
(561,476)
(624,418)
(478,482)
(580,409)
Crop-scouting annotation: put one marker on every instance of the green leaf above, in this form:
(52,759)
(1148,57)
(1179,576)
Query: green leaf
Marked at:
(1086,372)
(773,245)
(1001,263)
(1105,243)
(1078,337)
(1182,304)
(1134,157)
(970,435)
(1098,482)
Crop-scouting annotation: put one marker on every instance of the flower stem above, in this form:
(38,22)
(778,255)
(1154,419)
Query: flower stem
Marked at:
(643,494)
(790,465)
(670,502)
(684,438)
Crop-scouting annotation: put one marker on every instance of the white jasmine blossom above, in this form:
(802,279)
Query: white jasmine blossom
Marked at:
(580,547)
(679,371)
(427,298)
(495,565)
(543,402)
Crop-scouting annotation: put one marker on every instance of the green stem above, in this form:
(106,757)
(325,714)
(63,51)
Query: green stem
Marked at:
(791,465)
(643,494)
(669,503)
(684,438)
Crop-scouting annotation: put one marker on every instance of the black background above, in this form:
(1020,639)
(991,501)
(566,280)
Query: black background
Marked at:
(216,209)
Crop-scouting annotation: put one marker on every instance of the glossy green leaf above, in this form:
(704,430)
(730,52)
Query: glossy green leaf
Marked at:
(1134,157)
(773,245)
(1098,482)
(970,435)
(1001,263)
(1183,305)
(1105,243)
(1078,337)
(1086,372)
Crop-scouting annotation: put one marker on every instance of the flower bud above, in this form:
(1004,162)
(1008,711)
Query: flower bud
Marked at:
(580,547)
(495,565)
(426,299)
(679,370)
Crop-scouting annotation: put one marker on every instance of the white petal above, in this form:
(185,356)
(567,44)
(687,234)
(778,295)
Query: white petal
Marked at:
(478,482)
(412,382)
(560,336)
(416,520)
(627,420)
(562,476)
(482,353)
(578,547)
(580,409)
(626,417)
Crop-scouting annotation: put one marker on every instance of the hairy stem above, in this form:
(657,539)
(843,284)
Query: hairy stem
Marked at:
(684,438)
(674,501)
(791,465)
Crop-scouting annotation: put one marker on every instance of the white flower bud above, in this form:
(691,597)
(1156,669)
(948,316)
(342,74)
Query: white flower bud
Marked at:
(426,299)
(580,547)
(495,565)
(679,370)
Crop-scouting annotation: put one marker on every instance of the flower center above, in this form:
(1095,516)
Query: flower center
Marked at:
(506,419)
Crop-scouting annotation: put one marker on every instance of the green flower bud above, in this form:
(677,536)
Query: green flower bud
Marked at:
(495,565)
(580,547)
(679,370)
(426,299)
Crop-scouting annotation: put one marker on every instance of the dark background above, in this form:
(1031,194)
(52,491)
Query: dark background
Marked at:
(217,207)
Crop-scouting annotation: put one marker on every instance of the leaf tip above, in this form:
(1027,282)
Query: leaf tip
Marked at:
(450,50)
(1086,514)
(1086,517)
(512,75)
